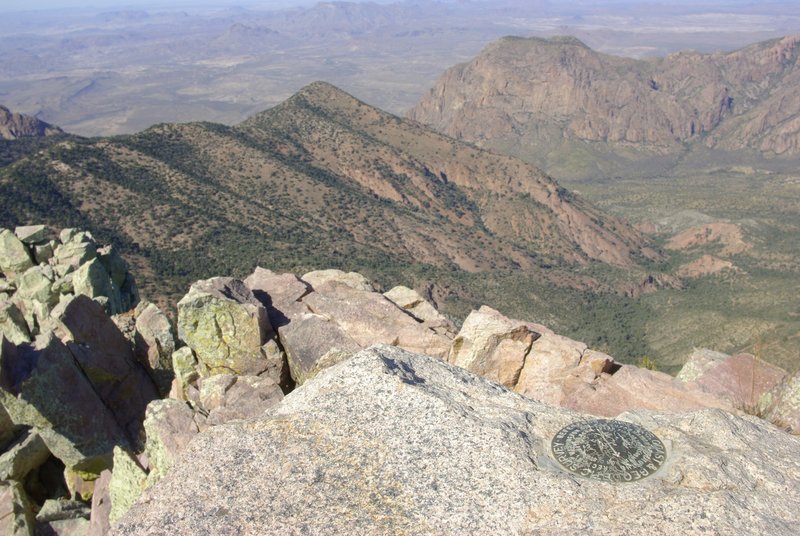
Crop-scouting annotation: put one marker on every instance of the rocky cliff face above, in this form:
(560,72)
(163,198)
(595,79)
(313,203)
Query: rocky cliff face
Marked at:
(533,94)
(14,125)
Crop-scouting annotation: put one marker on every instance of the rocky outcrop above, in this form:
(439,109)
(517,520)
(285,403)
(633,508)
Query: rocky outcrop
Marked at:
(532,360)
(71,387)
(728,236)
(15,125)
(329,315)
(706,265)
(39,271)
(81,418)
(451,453)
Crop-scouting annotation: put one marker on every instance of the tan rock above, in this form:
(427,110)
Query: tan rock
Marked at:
(413,303)
(353,280)
(493,346)
(551,361)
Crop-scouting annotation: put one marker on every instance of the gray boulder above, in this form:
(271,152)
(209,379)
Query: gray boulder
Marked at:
(354,280)
(225,326)
(23,456)
(14,256)
(390,442)
(12,323)
(30,234)
(62,518)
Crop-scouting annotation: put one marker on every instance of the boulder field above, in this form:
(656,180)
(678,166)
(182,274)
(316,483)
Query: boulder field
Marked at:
(317,405)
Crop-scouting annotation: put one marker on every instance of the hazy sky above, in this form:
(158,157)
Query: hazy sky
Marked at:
(25,5)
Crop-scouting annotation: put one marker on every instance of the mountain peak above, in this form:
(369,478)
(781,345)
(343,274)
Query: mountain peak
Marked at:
(15,125)
(546,98)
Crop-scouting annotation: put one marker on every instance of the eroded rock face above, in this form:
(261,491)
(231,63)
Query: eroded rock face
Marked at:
(392,442)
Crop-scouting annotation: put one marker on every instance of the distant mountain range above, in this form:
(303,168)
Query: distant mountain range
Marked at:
(559,104)
(15,125)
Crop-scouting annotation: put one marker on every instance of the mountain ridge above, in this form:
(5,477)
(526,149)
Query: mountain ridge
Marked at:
(326,180)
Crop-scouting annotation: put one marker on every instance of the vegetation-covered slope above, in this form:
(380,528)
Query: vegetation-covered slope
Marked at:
(324,180)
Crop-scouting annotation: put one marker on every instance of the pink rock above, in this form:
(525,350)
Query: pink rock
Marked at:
(741,380)
(631,388)
(99,524)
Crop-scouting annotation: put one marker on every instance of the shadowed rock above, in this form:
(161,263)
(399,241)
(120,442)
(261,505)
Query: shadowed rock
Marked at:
(41,386)
(154,344)
(106,357)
